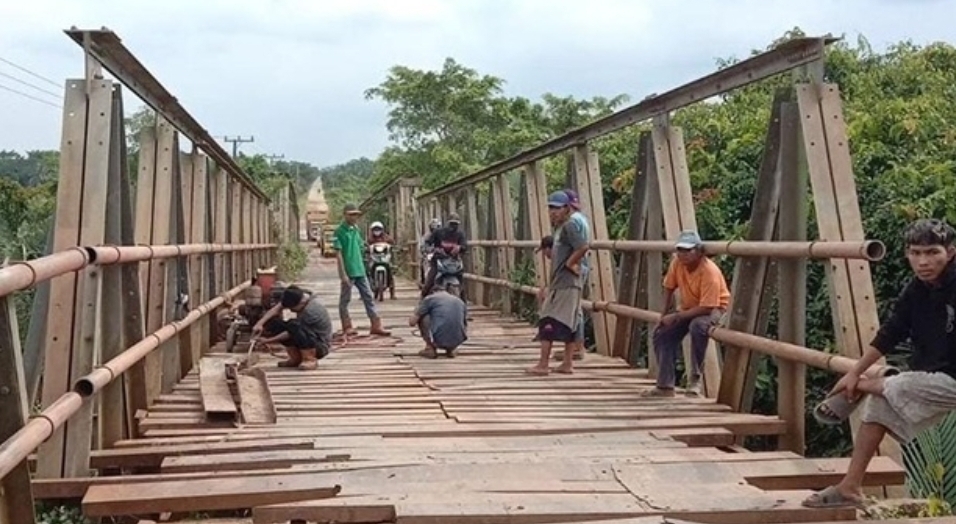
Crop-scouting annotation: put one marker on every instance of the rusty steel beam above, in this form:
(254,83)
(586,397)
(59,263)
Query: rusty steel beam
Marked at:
(788,55)
(107,48)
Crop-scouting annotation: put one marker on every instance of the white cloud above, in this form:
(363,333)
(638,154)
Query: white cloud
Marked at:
(293,72)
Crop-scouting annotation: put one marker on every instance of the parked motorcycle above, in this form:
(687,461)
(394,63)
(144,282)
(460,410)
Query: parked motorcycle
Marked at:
(380,258)
(451,273)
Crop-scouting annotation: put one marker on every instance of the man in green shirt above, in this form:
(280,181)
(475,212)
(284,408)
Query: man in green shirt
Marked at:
(350,248)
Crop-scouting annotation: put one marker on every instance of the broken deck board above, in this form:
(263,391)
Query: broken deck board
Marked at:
(217,398)
(202,495)
(255,399)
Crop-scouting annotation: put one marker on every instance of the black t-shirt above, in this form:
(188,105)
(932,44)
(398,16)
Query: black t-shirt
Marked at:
(925,314)
(448,236)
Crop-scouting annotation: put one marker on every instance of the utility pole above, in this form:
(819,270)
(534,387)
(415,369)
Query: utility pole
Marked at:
(236,141)
(273,158)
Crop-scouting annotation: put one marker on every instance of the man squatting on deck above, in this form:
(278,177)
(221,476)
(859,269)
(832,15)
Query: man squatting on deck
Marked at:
(906,403)
(307,337)
(442,320)
(561,300)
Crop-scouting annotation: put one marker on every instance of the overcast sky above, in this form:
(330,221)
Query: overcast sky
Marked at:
(292,72)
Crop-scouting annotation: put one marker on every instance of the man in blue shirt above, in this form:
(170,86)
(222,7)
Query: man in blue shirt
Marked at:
(579,218)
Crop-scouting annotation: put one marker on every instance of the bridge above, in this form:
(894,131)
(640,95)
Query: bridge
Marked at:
(142,415)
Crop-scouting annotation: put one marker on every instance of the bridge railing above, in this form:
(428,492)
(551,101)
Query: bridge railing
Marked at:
(144,248)
(504,213)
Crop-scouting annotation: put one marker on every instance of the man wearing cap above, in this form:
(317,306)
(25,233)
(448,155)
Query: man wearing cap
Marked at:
(448,240)
(704,297)
(582,220)
(350,248)
(558,315)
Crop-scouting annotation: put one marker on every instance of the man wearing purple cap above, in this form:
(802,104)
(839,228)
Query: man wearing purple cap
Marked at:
(582,220)
(558,316)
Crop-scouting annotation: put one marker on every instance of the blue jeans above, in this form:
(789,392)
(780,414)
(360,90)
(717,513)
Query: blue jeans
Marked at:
(365,291)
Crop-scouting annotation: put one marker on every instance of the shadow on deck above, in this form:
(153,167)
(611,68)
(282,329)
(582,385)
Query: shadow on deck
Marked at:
(378,434)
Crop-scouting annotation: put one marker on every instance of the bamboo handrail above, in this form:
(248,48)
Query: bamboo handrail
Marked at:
(871,250)
(18,447)
(23,275)
(792,352)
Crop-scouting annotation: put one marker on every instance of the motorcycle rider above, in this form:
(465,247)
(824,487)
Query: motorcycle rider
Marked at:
(424,248)
(377,235)
(446,241)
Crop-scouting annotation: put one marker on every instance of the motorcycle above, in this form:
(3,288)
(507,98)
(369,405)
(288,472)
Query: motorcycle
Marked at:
(450,274)
(380,255)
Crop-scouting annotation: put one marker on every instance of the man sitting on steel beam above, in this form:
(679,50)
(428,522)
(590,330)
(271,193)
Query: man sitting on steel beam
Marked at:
(307,337)
(902,404)
(704,297)
(442,319)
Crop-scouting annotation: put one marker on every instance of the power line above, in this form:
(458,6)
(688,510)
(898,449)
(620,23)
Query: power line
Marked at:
(27,71)
(31,97)
(28,84)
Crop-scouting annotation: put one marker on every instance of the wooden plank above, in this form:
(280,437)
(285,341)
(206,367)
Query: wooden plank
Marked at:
(153,456)
(792,280)
(465,507)
(750,273)
(216,397)
(16,495)
(58,339)
(256,402)
(203,495)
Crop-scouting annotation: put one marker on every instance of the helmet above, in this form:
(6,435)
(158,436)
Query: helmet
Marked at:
(453,218)
(434,224)
(377,225)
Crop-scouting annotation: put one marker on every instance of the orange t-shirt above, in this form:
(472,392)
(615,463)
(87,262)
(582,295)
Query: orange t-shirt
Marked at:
(705,286)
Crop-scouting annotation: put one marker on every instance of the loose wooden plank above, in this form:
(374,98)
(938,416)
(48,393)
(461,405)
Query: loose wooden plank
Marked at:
(255,398)
(217,399)
(203,495)
(153,456)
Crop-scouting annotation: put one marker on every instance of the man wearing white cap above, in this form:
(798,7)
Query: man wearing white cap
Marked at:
(704,297)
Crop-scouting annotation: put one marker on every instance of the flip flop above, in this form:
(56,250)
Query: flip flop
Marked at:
(839,408)
(830,498)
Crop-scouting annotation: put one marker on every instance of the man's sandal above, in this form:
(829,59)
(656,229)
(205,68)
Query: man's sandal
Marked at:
(831,498)
(835,409)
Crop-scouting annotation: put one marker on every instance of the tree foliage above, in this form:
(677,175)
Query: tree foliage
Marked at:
(447,123)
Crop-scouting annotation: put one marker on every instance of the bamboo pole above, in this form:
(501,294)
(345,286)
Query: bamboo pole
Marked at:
(870,250)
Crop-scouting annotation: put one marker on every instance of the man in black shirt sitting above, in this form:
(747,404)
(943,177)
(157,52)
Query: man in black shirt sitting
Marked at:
(906,403)
(447,241)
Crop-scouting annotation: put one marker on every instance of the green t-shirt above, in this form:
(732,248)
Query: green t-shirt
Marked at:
(348,241)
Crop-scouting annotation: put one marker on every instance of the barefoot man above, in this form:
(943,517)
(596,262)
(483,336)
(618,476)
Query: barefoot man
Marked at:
(558,316)
(906,403)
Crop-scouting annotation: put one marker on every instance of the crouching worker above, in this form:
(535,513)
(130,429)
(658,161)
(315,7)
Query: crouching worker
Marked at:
(306,338)
(907,403)
(442,319)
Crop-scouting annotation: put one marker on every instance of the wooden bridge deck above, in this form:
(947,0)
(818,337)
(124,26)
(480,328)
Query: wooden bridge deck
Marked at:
(378,434)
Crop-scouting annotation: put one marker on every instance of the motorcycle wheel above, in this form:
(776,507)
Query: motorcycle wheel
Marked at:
(231,335)
(379,287)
